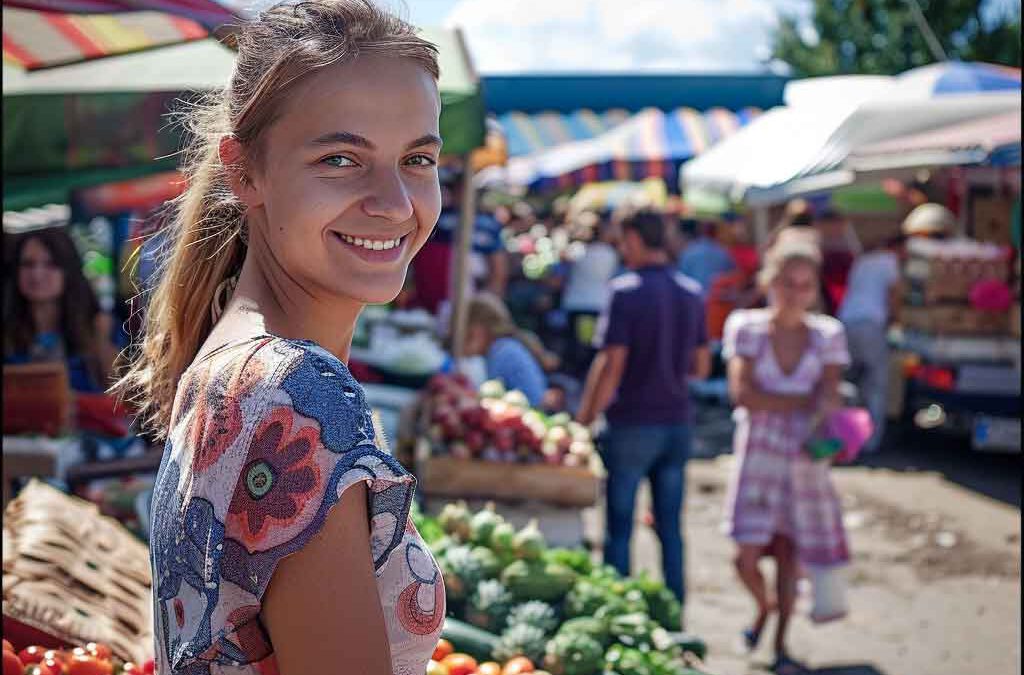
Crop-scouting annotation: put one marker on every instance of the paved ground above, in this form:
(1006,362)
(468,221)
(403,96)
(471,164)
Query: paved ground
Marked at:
(934,585)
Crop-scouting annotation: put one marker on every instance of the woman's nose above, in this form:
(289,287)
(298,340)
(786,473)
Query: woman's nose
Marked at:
(388,198)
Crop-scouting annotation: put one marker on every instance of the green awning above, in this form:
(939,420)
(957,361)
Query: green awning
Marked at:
(70,127)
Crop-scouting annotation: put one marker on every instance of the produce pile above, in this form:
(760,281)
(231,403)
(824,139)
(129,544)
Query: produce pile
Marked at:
(499,426)
(93,659)
(512,597)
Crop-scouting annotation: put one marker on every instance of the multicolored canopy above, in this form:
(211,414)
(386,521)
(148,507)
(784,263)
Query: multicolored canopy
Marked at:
(587,147)
(34,40)
(527,134)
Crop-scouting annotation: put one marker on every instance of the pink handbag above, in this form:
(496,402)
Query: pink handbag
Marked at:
(852,426)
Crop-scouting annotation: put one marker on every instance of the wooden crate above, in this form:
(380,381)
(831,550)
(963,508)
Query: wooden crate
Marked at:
(445,476)
(955,320)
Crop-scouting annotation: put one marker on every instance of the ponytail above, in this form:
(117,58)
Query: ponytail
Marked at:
(206,248)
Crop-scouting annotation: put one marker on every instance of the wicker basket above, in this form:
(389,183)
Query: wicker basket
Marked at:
(75,574)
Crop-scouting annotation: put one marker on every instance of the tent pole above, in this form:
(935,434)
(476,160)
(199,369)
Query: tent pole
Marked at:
(761,225)
(461,282)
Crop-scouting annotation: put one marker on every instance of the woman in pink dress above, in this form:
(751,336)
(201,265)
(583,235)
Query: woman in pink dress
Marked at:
(785,365)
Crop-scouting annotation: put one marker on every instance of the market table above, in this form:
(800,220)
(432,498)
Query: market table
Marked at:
(37,457)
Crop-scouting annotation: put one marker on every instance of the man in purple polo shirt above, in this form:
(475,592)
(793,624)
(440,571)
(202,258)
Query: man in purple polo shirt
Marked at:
(652,341)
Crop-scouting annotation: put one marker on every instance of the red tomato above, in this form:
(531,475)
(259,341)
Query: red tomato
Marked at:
(40,669)
(58,667)
(12,664)
(78,651)
(89,665)
(130,668)
(8,647)
(58,655)
(459,664)
(443,649)
(517,666)
(99,650)
(33,654)
(489,668)
(149,667)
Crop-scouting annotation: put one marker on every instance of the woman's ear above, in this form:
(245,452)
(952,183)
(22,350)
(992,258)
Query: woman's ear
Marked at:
(232,156)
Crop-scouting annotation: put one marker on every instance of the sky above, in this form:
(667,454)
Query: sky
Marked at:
(507,36)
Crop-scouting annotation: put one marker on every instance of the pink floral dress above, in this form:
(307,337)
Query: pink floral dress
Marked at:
(265,437)
(777,488)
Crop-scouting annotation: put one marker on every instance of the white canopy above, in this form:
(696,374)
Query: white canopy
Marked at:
(799,148)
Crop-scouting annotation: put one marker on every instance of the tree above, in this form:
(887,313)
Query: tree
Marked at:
(881,37)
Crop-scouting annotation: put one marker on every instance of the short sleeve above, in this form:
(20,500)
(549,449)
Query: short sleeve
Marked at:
(834,351)
(739,337)
(300,445)
(613,324)
(511,362)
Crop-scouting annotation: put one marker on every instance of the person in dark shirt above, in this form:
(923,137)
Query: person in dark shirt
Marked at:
(652,341)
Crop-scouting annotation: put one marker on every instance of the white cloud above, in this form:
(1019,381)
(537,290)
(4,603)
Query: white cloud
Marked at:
(612,35)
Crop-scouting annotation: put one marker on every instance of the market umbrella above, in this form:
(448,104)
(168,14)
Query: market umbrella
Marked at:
(800,148)
(956,77)
(47,33)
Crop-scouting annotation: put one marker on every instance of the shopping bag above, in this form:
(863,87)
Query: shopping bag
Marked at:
(829,593)
(852,427)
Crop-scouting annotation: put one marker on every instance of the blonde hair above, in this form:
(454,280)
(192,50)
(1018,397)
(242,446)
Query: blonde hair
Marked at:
(489,311)
(785,252)
(208,242)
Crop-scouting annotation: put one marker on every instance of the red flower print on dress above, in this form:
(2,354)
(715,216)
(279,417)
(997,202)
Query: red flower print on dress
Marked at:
(279,478)
(411,615)
(219,408)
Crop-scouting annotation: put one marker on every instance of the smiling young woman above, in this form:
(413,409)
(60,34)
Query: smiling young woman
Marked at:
(281,534)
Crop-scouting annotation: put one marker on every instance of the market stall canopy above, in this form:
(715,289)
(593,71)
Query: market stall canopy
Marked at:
(207,12)
(799,148)
(34,40)
(649,144)
(104,120)
(990,140)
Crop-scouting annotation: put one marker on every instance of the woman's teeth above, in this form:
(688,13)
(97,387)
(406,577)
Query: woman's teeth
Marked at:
(371,244)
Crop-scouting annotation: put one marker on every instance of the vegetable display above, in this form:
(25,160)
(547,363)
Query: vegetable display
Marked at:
(496,425)
(92,659)
(550,608)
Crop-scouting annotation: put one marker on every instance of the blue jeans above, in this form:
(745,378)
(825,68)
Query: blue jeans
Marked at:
(657,452)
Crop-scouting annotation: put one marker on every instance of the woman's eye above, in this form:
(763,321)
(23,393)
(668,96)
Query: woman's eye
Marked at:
(422,160)
(338,161)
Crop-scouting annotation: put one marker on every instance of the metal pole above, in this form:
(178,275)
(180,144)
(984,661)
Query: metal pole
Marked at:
(929,36)
(462,290)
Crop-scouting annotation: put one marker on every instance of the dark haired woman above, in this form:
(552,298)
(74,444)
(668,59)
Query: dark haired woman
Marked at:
(51,312)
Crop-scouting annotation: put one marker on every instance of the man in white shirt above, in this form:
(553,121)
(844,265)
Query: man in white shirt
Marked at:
(869,306)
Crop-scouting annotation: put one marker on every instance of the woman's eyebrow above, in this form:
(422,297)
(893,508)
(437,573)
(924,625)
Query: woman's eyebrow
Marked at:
(349,138)
(426,139)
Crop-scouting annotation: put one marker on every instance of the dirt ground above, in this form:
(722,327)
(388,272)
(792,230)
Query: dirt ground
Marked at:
(934,587)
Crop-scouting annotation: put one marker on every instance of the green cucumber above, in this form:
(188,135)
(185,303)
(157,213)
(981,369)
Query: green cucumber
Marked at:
(469,639)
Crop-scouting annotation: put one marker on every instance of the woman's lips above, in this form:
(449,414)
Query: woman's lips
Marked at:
(372,250)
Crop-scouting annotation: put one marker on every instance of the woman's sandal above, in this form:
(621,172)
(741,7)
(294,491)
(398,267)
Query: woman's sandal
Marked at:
(784,665)
(750,638)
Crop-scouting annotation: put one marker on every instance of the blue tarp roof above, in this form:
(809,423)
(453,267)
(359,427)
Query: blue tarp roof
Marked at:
(566,93)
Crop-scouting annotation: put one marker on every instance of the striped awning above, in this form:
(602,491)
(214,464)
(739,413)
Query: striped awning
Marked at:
(34,40)
(527,134)
(209,13)
(649,144)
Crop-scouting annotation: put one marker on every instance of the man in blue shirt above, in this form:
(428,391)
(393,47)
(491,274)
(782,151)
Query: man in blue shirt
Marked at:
(652,340)
(704,259)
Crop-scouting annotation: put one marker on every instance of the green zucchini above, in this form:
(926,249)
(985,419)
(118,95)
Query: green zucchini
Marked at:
(469,639)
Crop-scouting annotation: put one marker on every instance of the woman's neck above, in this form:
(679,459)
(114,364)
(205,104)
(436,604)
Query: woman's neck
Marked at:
(263,304)
(787,318)
(46,317)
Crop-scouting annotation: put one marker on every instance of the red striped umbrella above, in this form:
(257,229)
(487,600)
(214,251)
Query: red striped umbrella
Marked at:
(46,33)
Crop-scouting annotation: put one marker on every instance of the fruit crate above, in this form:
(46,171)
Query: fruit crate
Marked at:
(447,476)
(72,576)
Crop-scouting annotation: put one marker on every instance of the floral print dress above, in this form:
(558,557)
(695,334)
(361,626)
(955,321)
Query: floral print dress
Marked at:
(265,437)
